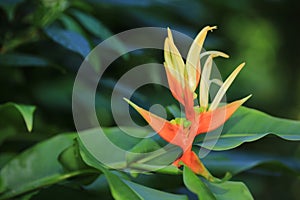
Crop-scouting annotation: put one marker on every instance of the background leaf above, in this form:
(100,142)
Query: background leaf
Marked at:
(23,60)
(25,110)
(94,26)
(69,39)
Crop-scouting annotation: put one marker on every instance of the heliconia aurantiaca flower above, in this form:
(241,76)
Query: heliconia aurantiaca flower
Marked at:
(183,79)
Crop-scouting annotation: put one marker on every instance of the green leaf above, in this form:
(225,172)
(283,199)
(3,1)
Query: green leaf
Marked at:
(5,157)
(206,190)
(94,26)
(195,185)
(123,189)
(69,39)
(236,162)
(119,189)
(23,60)
(36,168)
(95,143)
(152,194)
(248,125)
(26,112)
(130,152)
(70,24)
(91,24)
(229,190)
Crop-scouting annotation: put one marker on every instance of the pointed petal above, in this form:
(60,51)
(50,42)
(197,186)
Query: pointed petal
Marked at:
(211,120)
(204,83)
(193,58)
(225,87)
(163,127)
(170,36)
(219,53)
(176,74)
(205,77)
(173,59)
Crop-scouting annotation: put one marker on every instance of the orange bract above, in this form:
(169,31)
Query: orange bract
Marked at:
(183,79)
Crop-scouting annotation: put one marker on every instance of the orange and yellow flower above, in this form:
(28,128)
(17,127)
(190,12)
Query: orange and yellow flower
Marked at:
(183,79)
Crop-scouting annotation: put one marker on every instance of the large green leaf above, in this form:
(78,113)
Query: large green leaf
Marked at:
(25,110)
(122,189)
(248,125)
(206,190)
(229,190)
(69,39)
(236,162)
(36,168)
(130,152)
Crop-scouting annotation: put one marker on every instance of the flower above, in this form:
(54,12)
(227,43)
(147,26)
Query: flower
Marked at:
(183,79)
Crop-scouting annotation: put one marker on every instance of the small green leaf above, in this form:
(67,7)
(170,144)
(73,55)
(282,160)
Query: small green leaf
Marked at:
(69,39)
(26,112)
(248,125)
(195,185)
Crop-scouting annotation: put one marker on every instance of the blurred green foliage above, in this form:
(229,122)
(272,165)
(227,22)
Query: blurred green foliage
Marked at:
(43,42)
